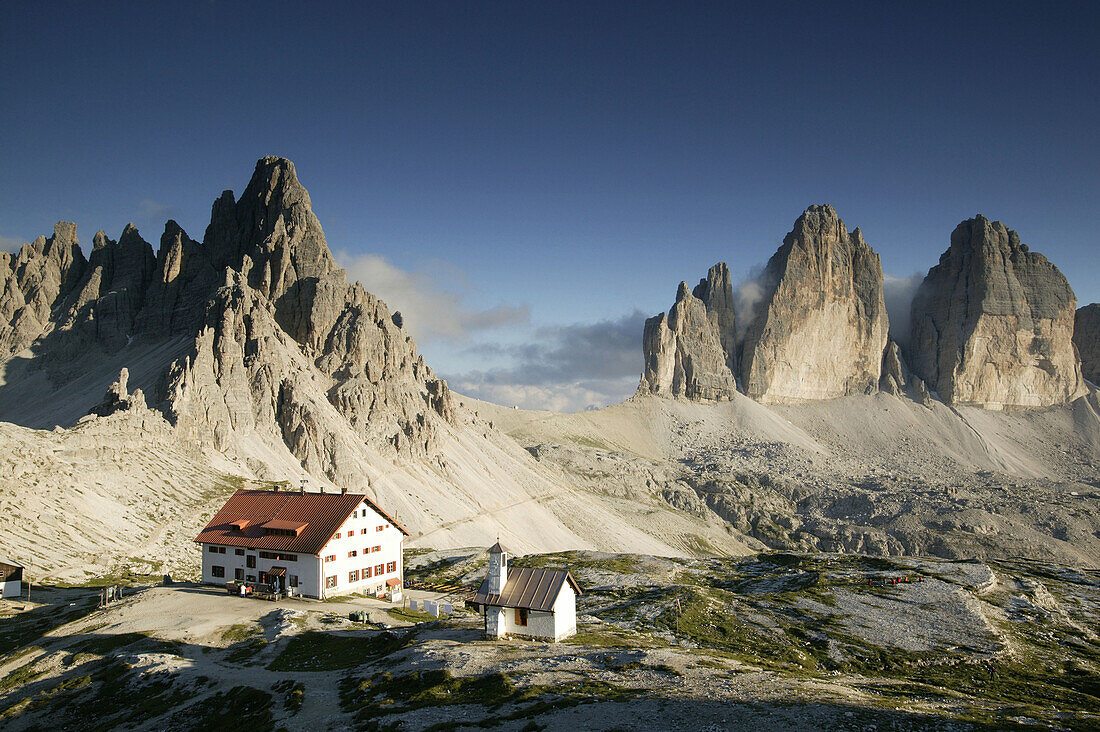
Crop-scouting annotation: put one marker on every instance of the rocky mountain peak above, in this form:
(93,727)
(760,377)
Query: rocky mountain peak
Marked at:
(253,334)
(821,327)
(993,323)
(816,331)
(687,353)
(34,282)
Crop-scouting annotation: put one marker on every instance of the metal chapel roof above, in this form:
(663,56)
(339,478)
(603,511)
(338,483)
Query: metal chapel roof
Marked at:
(534,589)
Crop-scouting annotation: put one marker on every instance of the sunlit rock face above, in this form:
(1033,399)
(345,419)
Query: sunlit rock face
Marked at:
(821,328)
(992,323)
(688,353)
(266,339)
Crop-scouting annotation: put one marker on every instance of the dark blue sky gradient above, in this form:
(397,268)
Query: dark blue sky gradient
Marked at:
(578,158)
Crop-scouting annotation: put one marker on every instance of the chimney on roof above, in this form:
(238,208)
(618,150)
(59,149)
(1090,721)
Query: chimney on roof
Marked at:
(322,489)
(343,491)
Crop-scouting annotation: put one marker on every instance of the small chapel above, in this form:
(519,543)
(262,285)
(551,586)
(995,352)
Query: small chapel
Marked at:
(525,602)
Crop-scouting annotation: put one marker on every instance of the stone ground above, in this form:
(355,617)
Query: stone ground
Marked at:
(777,641)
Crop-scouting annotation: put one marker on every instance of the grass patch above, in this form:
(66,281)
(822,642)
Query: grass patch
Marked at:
(240,708)
(246,642)
(29,626)
(102,645)
(573,560)
(20,676)
(239,632)
(293,692)
(320,651)
(110,696)
(387,694)
(1013,690)
(411,616)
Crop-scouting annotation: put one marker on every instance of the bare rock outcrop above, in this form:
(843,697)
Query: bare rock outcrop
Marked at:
(276,345)
(112,291)
(820,330)
(992,323)
(1086,336)
(689,352)
(34,282)
(118,399)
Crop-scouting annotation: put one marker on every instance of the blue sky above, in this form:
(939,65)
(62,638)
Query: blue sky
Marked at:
(527,181)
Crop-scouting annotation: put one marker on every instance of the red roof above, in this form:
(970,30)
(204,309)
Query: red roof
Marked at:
(295,526)
(314,517)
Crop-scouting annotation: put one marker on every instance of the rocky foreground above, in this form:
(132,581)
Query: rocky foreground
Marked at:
(776,641)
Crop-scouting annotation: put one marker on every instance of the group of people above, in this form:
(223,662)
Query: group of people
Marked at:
(886,581)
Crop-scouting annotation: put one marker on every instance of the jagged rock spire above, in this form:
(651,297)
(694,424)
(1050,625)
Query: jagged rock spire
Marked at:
(821,328)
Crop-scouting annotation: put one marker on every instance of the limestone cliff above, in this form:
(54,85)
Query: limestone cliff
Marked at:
(821,328)
(819,331)
(33,283)
(1086,336)
(689,352)
(265,337)
(992,323)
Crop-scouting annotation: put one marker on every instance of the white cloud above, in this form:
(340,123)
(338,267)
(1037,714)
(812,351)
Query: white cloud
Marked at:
(571,397)
(566,368)
(154,211)
(899,292)
(747,296)
(10,243)
(431,301)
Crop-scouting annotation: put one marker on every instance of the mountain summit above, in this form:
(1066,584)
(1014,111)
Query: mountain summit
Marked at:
(814,326)
(255,329)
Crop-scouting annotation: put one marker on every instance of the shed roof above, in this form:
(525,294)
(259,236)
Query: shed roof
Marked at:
(314,517)
(534,589)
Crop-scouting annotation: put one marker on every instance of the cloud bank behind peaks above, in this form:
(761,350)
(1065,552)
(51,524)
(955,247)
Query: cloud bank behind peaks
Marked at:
(431,300)
(564,368)
(899,292)
(10,244)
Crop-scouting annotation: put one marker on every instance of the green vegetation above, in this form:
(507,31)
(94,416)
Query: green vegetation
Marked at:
(411,616)
(240,632)
(293,694)
(573,560)
(611,636)
(319,651)
(28,626)
(586,441)
(384,694)
(112,694)
(240,708)
(22,675)
(246,642)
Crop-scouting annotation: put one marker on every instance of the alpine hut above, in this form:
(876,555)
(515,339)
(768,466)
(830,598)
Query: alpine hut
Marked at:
(304,543)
